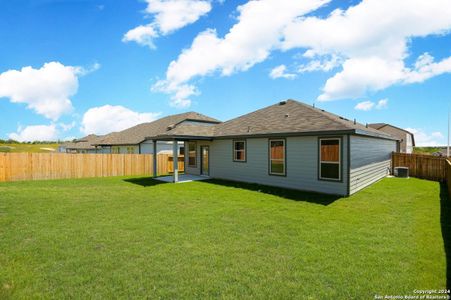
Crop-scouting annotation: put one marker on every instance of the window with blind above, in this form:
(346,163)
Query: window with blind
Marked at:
(330,159)
(192,154)
(239,151)
(277,163)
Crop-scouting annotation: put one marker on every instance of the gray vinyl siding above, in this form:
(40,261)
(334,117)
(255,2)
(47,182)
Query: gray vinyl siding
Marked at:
(162,147)
(370,161)
(301,164)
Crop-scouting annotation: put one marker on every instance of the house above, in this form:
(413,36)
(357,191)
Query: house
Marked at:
(83,145)
(289,144)
(441,152)
(133,140)
(407,139)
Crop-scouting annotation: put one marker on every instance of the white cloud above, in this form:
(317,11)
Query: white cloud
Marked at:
(47,90)
(372,37)
(370,41)
(168,16)
(180,93)
(67,126)
(425,68)
(143,35)
(324,65)
(35,133)
(280,72)
(369,105)
(247,43)
(422,138)
(108,118)
(365,106)
(382,104)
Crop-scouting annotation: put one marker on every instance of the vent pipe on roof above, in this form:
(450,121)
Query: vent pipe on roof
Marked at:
(313,105)
(248,128)
(366,125)
(355,121)
(282,102)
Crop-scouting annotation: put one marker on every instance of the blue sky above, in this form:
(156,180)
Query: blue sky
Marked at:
(73,67)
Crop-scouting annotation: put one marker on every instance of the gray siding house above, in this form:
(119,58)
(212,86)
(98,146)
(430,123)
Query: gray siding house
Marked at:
(406,138)
(289,144)
(133,140)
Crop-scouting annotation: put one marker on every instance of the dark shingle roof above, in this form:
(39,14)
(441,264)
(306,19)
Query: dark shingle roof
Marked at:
(290,117)
(138,133)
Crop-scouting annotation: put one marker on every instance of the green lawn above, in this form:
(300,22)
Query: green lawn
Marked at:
(134,238)
(33,148)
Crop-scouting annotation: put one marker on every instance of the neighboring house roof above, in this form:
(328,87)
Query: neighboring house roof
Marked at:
(286,117)
(85,143)
(380,126)
(138,133)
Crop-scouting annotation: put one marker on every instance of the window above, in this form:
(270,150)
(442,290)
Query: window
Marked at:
(130,150)
(182,151)
(115,150)
(192,154)
(277,157)
(329,159)
(239,151)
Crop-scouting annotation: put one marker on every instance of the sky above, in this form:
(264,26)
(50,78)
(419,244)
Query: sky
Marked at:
(69,68)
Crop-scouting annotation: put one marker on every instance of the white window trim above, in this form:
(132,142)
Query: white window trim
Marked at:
(330,162)
(284,160)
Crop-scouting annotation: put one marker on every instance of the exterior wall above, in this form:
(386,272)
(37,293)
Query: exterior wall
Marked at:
(162,147)
(370,161)
(123,149)
(409,144)
(301,164)
(406,143)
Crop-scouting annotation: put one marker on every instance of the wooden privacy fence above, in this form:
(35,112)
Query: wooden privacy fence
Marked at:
(448,177)
(39,166)
(421,166)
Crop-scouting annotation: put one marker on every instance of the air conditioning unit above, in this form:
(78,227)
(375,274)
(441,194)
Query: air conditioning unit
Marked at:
(402,172)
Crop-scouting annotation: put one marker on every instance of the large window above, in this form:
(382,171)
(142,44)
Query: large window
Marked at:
(239,151)
(330,159)
(277,157)
(192,154)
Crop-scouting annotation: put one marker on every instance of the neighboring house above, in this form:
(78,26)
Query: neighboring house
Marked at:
(289,144)
(406,138)
(133,140)
(83,145)
(442,152)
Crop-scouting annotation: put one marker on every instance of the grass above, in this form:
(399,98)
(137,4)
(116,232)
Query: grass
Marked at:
(138,238)
(33,148)
(425,150)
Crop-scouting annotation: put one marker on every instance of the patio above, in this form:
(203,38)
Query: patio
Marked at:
(182,178)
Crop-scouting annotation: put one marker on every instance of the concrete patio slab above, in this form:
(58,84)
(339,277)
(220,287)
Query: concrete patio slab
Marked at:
(182,178)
